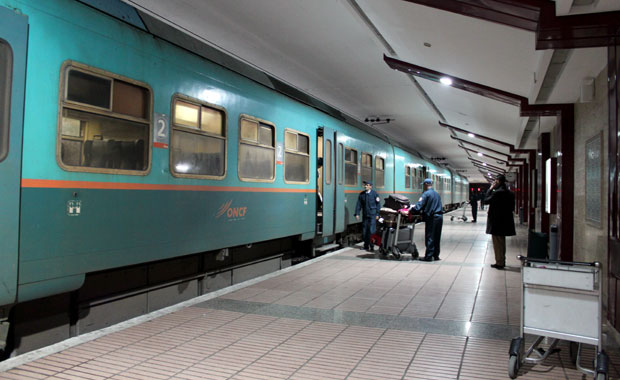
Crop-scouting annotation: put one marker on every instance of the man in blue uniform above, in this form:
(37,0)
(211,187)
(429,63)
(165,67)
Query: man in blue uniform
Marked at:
(370,203)
(432,211)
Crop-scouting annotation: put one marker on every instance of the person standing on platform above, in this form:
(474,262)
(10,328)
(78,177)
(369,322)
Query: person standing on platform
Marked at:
(370,203)
(500,222)
(473,201)
(432,212)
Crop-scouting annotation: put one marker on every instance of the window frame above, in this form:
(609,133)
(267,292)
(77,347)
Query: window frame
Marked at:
(407,176)
(63,104)
(200,103)
(340,171)
(357,166)
(239,142)
(376,169)
(290,130)
(5,125)
(327,166)
(372,167)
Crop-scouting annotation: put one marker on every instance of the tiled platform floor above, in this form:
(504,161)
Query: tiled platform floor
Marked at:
(349,316)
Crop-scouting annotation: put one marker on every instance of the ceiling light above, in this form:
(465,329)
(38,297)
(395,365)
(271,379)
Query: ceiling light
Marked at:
(471,135)
(446,81)
(480,154)
(484,164)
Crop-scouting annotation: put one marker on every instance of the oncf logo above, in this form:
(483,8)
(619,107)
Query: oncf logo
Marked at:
(232,213)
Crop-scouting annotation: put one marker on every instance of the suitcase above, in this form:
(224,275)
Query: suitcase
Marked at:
(389,216)
(396,202)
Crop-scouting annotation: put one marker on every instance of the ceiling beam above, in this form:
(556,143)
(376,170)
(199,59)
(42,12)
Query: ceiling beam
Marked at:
(482,163)
(489,139)
(552,31)
(487,170)
(519,14)
(462,84)
(484,155)
(510,158)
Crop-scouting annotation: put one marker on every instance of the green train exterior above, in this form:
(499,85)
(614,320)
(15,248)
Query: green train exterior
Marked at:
(62,221)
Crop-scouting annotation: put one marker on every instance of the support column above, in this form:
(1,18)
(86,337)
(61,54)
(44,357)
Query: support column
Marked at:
(566,180)
(544,152)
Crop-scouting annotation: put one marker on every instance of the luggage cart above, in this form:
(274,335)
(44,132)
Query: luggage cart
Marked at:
(551,292)
(462,217)
(390,239)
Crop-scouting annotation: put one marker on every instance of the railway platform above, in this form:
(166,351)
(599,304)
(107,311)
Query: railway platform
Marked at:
(346,315)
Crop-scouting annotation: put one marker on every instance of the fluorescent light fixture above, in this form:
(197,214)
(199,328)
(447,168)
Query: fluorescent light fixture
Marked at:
(484,164)
(471,135)
(480,154)
(446,81)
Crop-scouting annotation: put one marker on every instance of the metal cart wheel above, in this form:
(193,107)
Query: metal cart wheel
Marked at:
(464,219)
(513,366)
(396,252)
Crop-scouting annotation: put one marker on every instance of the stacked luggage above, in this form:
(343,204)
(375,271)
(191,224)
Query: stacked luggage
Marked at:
(395,231)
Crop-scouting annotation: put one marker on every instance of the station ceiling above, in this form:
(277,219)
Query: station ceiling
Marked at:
(334,50)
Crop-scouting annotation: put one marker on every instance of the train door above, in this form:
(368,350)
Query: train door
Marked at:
(325,181)
(13,39)
(340,208)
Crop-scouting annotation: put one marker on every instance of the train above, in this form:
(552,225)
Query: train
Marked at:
(127,158)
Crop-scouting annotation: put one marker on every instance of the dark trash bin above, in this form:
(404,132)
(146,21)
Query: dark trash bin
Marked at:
(537,245)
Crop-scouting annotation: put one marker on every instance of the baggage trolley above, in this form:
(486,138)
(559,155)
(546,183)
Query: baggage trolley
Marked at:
(462,217)
(551,293)
(391,242)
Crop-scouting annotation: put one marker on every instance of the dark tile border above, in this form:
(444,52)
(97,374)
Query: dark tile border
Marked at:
(425,325)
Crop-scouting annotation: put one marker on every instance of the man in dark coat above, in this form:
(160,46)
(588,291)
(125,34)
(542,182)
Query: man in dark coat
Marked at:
(500,222)
(370,203)
(432,210)
(473,201)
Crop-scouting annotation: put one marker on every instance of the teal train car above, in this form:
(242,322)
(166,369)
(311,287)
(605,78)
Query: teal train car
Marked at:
(130,163)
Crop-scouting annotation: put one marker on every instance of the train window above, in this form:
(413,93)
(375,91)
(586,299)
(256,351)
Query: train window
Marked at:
(379,172)
(89,89)
(296,157)
(366,167)
(338,161)
(350,167)
(6,70)
(328,162)
(407,176)
(105,124)
(257,153)
(197,139)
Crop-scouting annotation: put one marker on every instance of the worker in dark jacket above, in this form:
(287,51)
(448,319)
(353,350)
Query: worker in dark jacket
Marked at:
(370,203)
(500,222)
(432,212)
(473,201)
